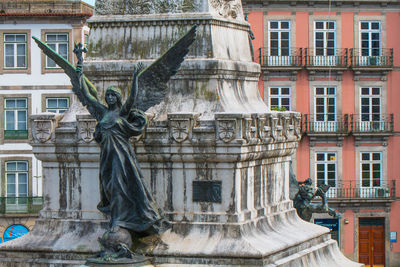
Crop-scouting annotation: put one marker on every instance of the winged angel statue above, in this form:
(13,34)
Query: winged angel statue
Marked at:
(123,194)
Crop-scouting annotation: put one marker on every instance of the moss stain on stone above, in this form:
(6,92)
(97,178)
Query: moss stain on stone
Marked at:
(202,92)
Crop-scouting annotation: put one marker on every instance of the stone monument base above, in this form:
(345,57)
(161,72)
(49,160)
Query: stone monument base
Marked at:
(276,240)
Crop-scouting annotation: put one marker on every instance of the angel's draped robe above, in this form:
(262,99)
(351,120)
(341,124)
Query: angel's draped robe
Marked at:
(123,194)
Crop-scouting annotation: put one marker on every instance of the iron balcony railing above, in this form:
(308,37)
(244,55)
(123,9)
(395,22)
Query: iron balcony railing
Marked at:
(325,123)
(372,123)
(15,134)
(326,57)
(292,57)
(28,205)
(353,190)
(371,58)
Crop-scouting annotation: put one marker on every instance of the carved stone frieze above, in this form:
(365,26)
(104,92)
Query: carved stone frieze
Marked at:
(43,126)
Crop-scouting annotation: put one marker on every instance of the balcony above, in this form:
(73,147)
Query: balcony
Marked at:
(325,124)
(351,190)
(293,59)
(371,123)
(382,59)
(15,134)
(20,205)
(338,58)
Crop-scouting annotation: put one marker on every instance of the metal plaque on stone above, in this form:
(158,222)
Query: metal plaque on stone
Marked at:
(207,191)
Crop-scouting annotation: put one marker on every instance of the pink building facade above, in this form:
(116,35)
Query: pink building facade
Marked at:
(338,64)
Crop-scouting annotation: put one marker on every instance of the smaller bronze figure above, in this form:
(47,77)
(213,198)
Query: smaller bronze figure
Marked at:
(302,194)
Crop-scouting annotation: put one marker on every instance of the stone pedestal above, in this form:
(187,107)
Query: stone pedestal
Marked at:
(214,157)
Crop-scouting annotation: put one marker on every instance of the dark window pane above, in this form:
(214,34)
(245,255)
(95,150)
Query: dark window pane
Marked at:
(320,157)
(375,25)
(364,25)
(376,156)
(274,25)
(365,156)
(274,91)
(285,35)
(285,91)
(274,35)
(319,25)
(284,25)
(274,102)
(365,91)
(376,91)
(319,91)
(285,101)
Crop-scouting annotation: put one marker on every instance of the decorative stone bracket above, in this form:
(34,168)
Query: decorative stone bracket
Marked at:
(43,126)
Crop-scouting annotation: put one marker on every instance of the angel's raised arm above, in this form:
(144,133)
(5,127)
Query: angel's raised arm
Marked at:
(82,87)
(133,90)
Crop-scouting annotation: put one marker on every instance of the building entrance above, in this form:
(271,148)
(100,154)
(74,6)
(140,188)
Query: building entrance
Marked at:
(372,242)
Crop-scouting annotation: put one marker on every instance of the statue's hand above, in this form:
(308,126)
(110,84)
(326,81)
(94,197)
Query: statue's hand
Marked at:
(137,69)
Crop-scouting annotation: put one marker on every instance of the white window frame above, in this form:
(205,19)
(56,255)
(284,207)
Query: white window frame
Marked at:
(279,59)
(370,162)
(280,96)
(367,125)
(15,54)
(325,162)
(55,45)
(57,110)
(16,110)
(325,59)
(325,31)
(17,173)
(326,124)
(370,31)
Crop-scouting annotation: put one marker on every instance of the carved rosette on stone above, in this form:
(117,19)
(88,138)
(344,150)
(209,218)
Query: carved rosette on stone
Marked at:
(181,125)
(86,126)
(228,8)
(43,126)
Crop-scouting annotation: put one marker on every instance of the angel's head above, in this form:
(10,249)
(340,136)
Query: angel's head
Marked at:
(113,96)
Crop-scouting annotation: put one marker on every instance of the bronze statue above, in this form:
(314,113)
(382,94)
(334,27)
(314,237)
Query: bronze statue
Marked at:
(123,194)
(302,193)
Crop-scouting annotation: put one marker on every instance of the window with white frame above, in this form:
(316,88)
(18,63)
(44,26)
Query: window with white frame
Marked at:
(325,104)
(279,38)
(59,43)
(371,169)
(279,97)
(370,38)
(16,111)
(326,168)
(324,38)
(370,108)
(57,104)
(16,174)
(15,50)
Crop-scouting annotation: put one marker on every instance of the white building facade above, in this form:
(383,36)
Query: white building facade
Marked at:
(30,83)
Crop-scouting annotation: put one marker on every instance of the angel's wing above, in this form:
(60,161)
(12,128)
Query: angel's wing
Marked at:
(152,80)
(69,69)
